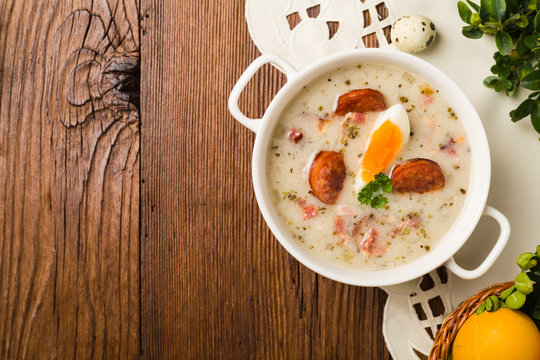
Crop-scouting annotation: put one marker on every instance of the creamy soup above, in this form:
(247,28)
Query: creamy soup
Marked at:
(324,142)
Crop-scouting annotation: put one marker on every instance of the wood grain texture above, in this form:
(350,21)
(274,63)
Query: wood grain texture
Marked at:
(215,282)
(202,277)
(69,179)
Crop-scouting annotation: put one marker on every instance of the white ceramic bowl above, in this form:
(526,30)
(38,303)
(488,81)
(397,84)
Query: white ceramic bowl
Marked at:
(475,202)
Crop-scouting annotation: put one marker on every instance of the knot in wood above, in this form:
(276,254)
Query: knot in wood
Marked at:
(96,71)
(120,78)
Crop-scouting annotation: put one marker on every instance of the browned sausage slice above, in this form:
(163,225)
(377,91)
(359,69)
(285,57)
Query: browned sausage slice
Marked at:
(360,101)
(326,176)
(417,175)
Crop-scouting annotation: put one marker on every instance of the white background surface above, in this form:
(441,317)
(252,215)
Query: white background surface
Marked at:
(515,148)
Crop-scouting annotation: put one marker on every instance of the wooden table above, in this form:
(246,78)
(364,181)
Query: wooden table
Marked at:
(128,222)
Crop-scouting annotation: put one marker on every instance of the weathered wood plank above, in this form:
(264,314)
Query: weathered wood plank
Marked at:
(69,179)
(215,282)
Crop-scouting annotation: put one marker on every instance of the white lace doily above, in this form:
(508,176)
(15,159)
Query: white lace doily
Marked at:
(304,31)
(413,316)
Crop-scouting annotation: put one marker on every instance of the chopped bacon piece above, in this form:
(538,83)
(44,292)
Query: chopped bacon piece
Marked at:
(361,227)
(398,229)
(426,100)
(340,225)
(412,221)
(365,235)
(340,230)
(295,135)
(360,100)
(359,118)
(369,247)
(309,212)
(449,147)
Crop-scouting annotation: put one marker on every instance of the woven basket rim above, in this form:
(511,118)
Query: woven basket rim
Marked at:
(453,322)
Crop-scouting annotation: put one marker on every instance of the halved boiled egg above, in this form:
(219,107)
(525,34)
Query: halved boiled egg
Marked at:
(387,139)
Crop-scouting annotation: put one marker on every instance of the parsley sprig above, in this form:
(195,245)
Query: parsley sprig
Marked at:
(372,193)
(516,26)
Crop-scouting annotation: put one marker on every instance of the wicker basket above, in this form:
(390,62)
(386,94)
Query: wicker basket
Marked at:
(451,325)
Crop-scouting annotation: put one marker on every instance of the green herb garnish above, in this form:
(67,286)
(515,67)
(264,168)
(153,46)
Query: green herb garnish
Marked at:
(516,26)
(372,193)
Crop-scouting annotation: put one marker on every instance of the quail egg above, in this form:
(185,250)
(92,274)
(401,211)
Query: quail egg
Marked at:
(413,33)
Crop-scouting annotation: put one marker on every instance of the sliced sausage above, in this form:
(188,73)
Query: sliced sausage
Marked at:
(360,101)
(417,175)
(326,176)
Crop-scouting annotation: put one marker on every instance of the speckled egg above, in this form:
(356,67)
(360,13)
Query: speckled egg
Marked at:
(413,33)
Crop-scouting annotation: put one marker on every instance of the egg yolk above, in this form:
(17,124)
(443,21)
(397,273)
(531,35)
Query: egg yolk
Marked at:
(386,142)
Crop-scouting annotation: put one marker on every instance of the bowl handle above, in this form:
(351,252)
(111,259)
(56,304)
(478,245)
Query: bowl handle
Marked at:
(279,63)
(492,256)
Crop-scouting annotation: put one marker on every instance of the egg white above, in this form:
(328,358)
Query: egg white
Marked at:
(397,115)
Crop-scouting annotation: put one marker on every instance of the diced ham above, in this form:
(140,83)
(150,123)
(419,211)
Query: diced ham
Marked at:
(340,230)
(449,146)
(309,212)
(355,117)
(426,100)
(345,210)
(368,243)
(295,135)
(359,118)
(412,221)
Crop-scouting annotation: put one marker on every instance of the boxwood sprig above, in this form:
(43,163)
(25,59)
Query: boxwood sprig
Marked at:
(525,293)
(516,26)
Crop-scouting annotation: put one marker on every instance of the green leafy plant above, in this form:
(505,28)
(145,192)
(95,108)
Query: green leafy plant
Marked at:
(372,193)
(525,293)
(516,26)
